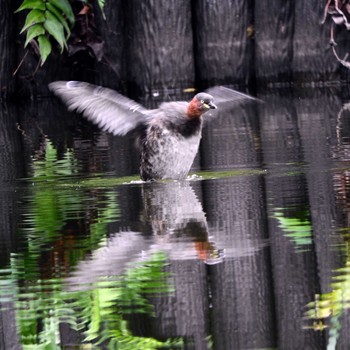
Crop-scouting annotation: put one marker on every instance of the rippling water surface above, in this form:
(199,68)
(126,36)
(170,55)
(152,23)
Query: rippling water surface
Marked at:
(250,252)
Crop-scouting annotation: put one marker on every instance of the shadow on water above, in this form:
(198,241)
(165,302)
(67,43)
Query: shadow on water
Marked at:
(251,252)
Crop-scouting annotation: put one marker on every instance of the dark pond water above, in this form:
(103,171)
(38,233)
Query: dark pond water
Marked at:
(251,252)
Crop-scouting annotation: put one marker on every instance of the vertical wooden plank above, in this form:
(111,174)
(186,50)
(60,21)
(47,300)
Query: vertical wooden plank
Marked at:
(223,41)
(343,340)
(274,28)
(7,47)
(242,284)
(9,338)
(294,44)
(11,169)
(160,45)
(295,272)
(279,131)
(184,314)
(312,57)
(110,71)
(317,113)
(231,140)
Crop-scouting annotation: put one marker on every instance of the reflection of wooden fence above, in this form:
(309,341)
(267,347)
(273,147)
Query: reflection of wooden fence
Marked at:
(184,43)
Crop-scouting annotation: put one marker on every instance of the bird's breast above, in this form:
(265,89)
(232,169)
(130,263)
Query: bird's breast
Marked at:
(168,153)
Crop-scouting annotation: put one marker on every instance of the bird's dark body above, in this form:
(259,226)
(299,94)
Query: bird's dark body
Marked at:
(168,136)
(170,142)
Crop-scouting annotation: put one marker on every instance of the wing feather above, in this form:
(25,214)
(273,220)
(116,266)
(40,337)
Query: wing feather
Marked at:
(223,95)
(226,98)
(107,108)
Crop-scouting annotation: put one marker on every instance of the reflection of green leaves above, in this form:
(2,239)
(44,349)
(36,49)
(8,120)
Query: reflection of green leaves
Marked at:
(300,230)
(50,18)
(50,208)
(53,206)
(331,305)
(42,305)
(107,214)
(50,168)
(104,307)
(148,278)
(327,308)
(39,315)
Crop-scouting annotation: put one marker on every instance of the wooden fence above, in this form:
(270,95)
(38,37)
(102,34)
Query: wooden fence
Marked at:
(158,45)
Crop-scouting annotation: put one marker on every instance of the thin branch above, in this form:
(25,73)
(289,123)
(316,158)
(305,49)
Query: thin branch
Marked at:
(20,63)
(326,11)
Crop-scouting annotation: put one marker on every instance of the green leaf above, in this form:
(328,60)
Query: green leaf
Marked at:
(33,17)
(44,47)
(32,4)
(55,28)
(33,32)
(59,16)
(101,4)
(65,7)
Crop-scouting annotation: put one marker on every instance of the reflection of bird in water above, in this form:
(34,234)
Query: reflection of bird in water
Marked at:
(178,222)
(168,136)
(178,228)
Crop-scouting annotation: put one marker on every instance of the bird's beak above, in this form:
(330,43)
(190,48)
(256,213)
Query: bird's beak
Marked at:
(212,105)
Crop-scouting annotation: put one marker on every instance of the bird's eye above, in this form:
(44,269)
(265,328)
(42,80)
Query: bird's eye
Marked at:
(202,101)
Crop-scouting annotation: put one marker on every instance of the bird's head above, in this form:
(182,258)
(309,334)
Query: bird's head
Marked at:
(200,104)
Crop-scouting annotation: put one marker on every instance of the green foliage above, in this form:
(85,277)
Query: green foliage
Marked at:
(327,308)
(50,168)
(34,31)
(44,47)
(101,3)
(103,309)
(42,300)
(297,229)
(49,19)
(52,204)
(38,288)
(43,305)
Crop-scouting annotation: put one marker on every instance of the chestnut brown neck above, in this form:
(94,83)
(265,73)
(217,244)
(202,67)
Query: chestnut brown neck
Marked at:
(194,110)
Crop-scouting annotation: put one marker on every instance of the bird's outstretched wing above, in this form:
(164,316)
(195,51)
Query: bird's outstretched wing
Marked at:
(225,98)
(223,95)
(107,108)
